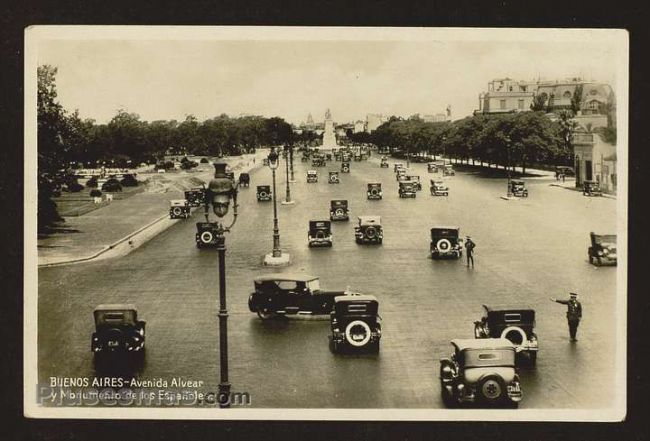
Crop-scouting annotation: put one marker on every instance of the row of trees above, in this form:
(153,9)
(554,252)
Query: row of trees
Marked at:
(514,139)
(64,137)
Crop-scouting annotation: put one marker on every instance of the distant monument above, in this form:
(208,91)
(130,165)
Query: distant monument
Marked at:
(329,138)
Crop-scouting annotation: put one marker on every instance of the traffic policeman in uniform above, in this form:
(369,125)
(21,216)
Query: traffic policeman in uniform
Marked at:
(573,314)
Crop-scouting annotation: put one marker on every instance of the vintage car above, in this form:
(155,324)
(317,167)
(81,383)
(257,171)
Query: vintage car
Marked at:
(355,323)
(207,235)
(290,294)
(179,208)
(345,167)
(482,372)
(328,156)
(334,177)
(397,166)
(432,167)
(514,324)
(195,196)
(319,234)
(318,161)
(384,162)
(263,193)
(244,179)
(415,180)
(448,170)
(339,210)
(346,156)
(337,156)
(603,249)
(438,188)
(230,175)
(312,176)
(374,190)
(117,331)
(357,157)
(591,188)
(265,162)
(445,242)
(400,175)
(407,189)
(518,188)
(369,230)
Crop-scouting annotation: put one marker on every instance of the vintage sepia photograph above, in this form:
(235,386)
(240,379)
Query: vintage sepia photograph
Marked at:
(279,223)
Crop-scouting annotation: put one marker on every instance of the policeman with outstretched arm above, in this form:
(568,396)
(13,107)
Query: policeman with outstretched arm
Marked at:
(573,314)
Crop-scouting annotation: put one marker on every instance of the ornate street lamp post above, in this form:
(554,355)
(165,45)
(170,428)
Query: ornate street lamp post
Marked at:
(273,165)
(291,162)
(287,200)
(218,194)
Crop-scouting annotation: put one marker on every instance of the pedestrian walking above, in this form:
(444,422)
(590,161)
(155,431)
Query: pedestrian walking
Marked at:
(573,314)
(563,176)
(469,250)
(557,175)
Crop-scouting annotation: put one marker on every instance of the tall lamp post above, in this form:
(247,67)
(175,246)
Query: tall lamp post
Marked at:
(287,199)
(292,180)
(218,194)
(507,139)
(277,257)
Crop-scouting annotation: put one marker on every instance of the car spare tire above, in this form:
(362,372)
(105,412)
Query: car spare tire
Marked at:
(515,334)
(371,232)
(339,212)
(443,245)
(358,333)
(206,237)
(177,211)
(262,194)
(374,192)
(491,388)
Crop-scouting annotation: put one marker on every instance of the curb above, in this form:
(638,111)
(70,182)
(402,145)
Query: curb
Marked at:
(122,240)
(604,195)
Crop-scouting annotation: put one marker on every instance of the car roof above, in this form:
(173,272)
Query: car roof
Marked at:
(370,219)
(374,183)
(481,343)
(285,276)
(312,171)
(115,307)
(178,201)
(507,307)
(355,298)
(443,227)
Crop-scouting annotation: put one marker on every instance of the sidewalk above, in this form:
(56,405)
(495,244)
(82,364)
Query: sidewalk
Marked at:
(571,185)
(90,235)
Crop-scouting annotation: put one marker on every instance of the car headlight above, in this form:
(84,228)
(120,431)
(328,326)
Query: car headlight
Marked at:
(141,331)
(600,253)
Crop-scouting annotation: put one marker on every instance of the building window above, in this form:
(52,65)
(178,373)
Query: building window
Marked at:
(502,104)
(520,105)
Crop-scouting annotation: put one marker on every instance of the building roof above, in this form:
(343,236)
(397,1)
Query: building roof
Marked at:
(285,276)
(481,343)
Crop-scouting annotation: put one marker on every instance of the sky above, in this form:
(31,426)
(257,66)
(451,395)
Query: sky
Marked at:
(169,79)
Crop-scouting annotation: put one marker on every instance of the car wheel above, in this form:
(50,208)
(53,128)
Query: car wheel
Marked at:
(491,389)
(264,315)
(447,399)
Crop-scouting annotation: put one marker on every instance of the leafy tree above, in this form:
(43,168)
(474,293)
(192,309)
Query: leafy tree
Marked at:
(539,102)
(576,99)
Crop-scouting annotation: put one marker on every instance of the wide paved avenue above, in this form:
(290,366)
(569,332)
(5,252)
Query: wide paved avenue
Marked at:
(527,251)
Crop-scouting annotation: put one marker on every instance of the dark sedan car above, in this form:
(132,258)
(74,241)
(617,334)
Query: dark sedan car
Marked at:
(290,294)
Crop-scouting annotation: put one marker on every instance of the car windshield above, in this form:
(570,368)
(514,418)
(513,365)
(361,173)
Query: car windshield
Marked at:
(313,285)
